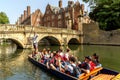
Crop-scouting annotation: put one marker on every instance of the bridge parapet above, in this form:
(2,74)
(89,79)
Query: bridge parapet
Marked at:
(28,28)
(10,27)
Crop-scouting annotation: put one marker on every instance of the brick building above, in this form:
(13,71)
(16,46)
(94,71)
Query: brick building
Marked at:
(28,18)
(60,17)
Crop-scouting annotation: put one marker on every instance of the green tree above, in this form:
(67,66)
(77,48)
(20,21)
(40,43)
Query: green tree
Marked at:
(3,18)
(106,13)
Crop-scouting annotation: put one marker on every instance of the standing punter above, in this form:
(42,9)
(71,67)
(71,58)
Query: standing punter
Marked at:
(35,43)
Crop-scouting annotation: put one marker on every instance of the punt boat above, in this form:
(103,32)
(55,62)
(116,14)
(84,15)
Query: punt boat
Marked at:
(97,74)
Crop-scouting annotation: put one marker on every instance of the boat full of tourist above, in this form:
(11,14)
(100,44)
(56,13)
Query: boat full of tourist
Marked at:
(68,67)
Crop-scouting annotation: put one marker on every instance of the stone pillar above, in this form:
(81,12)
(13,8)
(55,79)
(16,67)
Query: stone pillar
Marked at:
(28,11)
(80,28)
(63,41)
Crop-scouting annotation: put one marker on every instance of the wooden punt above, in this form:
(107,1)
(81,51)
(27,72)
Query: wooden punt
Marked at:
(104,74)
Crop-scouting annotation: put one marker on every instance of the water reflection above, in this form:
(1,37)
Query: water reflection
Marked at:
(109,55)
(15,66)
(8,48)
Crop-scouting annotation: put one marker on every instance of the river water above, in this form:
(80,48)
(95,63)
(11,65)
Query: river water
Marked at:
(14,64)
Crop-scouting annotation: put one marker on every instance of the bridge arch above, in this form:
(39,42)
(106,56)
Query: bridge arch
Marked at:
(73,41)
(17,42)
(49,40)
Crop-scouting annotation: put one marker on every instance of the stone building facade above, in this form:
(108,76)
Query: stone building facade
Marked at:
(60,17)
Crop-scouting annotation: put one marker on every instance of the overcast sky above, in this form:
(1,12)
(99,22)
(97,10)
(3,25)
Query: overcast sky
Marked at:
(14,8)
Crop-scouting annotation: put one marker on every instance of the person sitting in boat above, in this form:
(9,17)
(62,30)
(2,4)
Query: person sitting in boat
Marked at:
(35,54)
(87,66)
(95,59)
(48,50)
(50,60)
(65,60)
(84,67)
(66,55)
(56,65)
(90,63)
(46,56)
(55,62)
(60,52)
(38,55)
(72,69)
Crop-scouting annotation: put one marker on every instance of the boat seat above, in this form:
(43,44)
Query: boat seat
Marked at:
(116,77)
(103,77)
(93,72)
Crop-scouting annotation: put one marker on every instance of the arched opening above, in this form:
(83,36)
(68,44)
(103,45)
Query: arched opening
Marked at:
(19,46)
(49,41)
(11,41)
(73,41)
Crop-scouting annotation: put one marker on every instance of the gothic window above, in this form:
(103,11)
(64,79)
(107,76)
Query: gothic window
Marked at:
(59,23)
(48,24)
(48,17)
(45,24)
(67,14)
(44,19)
(59,16)
(47,12)
(38,19)
(53,16)
(53,24)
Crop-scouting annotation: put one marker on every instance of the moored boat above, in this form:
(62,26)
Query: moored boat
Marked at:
(104,74)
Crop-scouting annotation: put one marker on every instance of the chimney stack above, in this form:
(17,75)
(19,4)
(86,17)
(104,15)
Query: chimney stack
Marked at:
(82,8)
(28,11)
(70,3)
(19,20)
(25,14)
(60,3)
(22,17)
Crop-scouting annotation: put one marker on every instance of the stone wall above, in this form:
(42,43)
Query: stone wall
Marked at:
(93,35)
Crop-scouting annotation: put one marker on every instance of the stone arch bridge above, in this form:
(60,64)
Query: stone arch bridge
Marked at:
(56,36)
